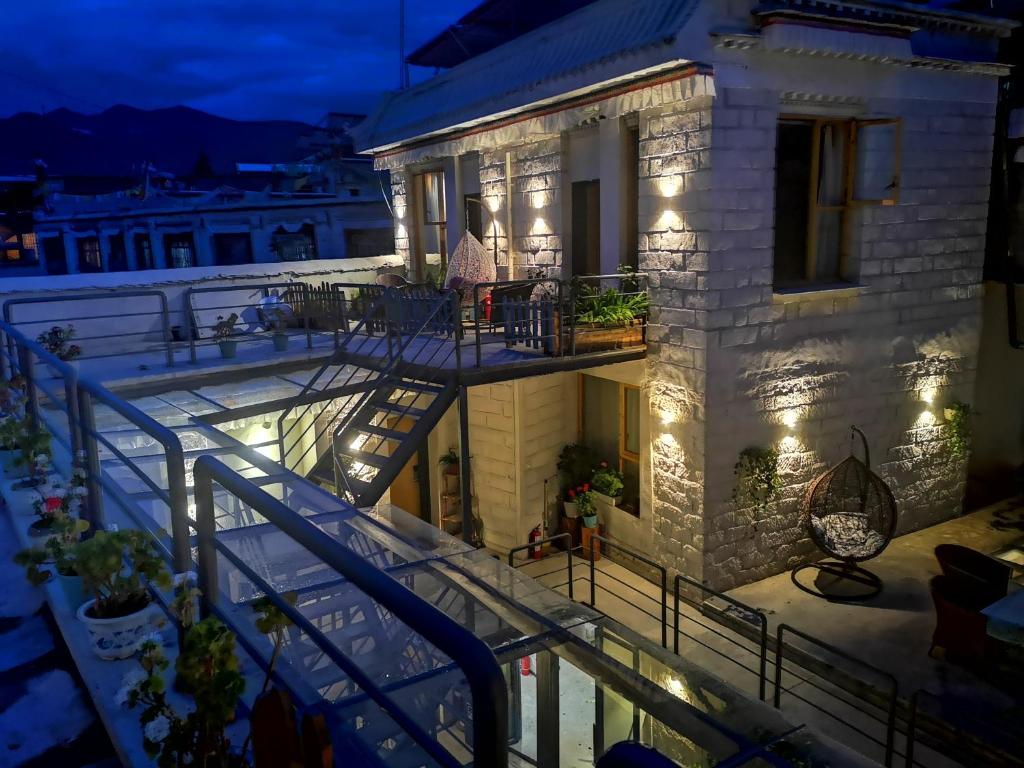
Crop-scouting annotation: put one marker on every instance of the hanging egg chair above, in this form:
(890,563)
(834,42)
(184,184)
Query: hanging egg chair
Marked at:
(850,514)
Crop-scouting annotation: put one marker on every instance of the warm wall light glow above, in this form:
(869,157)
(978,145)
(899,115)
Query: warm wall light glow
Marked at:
(400,231)
(790,418)
(668,439)
(670,220)
(399,211)
(789,444)
(928,395)
(540,227)
(538,200)
(493,203)
(926,419)
(670,186)
(667,416)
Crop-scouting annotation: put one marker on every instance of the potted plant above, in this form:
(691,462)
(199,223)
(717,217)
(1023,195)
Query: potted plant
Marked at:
(57,341)
(606,484)
(585,507)
(449,463)
(208,670)
(56,503)
(59,550)
(278,323)
(115,567)
(575,466)
(608,319)
(33,457)
(222,332)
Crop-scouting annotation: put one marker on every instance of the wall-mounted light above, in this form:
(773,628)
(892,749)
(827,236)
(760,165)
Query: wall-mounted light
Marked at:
(789,444)
(928,395)
(399,211)
(538,200)
(670,186)
(493,203)
(667,416)
(926,419)
(790,419)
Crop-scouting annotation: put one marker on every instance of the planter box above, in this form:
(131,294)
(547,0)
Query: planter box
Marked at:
(592,337)
(591,548)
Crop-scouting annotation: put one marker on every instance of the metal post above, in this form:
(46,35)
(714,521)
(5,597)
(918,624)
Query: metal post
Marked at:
(206,567)
(189,333)
(94,507)
(178,500)
(548,709)
(593,582)
(456,331)
(306,296)
(476,321)
(467,500)
(71,401)
(166,315)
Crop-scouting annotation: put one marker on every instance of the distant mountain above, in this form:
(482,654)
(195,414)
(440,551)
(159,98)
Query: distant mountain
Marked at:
(118,141)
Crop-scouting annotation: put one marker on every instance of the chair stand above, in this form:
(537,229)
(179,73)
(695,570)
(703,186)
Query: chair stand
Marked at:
(839,581)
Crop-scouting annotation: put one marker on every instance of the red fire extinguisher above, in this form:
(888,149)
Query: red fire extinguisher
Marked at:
(534,552)
(524,666)
(487,301)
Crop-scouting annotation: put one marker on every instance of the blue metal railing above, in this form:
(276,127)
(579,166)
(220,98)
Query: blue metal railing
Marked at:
(472,655)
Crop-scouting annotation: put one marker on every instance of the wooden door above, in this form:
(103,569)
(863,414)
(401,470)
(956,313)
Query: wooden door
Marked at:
(405,489)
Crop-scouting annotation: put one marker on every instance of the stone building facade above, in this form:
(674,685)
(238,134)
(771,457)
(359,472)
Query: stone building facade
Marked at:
(737,357)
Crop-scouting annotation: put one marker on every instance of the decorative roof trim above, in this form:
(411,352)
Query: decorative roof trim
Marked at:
(915,16)
(749,42)
(671,71)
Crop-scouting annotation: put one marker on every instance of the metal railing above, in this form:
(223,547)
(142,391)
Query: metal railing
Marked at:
(564,538)
(294,290)
(130,319)
(488,690)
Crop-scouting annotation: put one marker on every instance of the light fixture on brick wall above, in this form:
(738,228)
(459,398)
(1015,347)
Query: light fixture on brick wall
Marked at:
(670,186)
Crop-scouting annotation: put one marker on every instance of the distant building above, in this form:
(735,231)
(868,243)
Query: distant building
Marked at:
(329,207)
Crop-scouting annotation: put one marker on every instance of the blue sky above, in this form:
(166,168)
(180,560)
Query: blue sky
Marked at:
(244,59)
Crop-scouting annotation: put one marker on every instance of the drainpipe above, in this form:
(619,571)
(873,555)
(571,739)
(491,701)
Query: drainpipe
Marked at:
(508,213)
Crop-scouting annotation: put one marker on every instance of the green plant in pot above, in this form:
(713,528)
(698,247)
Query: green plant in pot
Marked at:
(583,497)
(278,324)
(575,466)
(57,341)
(33,458)
(59,550)
(449,463)
(223,330)
(958,427)
(116,567)
(208,671)
(606,485)
(56,503)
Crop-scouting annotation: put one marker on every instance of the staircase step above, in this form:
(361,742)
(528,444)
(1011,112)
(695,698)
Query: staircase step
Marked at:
(376,429)
(409,385)
(398,408)
(363,457)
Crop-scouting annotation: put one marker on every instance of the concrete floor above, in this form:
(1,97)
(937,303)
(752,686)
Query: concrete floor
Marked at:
(891,632)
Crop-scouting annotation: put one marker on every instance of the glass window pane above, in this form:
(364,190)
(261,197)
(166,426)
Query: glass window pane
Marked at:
(631,436)
(876,176)
(601,417)
(433,198)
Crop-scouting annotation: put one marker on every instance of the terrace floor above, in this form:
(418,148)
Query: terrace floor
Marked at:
(891,631)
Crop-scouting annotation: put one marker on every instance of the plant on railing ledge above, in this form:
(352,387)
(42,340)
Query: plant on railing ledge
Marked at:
(207,670)
(958,425)
(610,307)
(33,456)
(223,330)
(57,341)
(757,479)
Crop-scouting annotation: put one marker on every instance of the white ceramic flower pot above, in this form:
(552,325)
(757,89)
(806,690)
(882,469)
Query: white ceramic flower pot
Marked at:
(570,509)
(607,503)
(116,638)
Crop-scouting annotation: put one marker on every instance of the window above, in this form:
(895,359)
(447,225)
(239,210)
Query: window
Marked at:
(180,249)
(823,168)
(118,258)
(431,222)
(376,241)
(295,246)
(232,248)
(90,259)
(56,256)
(474,215)
(18,249)
(586,227)
(143,252)
(610,424)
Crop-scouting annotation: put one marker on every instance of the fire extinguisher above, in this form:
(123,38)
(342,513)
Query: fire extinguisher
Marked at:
(487,301)
(534,552)
(524,666)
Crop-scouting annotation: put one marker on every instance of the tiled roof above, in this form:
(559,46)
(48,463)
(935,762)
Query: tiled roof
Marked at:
(596,43)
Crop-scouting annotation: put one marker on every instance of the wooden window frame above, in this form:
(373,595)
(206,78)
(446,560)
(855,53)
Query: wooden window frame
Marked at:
(850,127)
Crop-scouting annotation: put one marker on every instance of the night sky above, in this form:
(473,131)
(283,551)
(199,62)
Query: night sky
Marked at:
(245,59)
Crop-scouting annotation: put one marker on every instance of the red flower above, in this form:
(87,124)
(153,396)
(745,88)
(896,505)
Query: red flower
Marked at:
(586,487)
(572,494)
(604,465)
(53,504)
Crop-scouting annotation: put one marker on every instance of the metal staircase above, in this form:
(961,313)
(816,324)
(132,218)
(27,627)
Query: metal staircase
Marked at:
(368,409)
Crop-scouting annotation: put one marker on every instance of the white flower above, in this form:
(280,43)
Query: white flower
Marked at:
(157,729)
(81,492)
(129,683)
(155,638)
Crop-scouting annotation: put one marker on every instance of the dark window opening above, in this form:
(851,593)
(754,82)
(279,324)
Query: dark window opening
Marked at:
(143,252)
(586,227)
(56,256)
(118,261)
(631,197)
(232,248)
(474,215)
(90,258)
(295,246)
(376,241)
(180,250)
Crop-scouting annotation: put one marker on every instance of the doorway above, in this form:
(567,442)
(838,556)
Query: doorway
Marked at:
(410,490)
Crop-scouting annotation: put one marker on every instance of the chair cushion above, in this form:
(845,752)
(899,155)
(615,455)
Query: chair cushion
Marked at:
(847,536)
